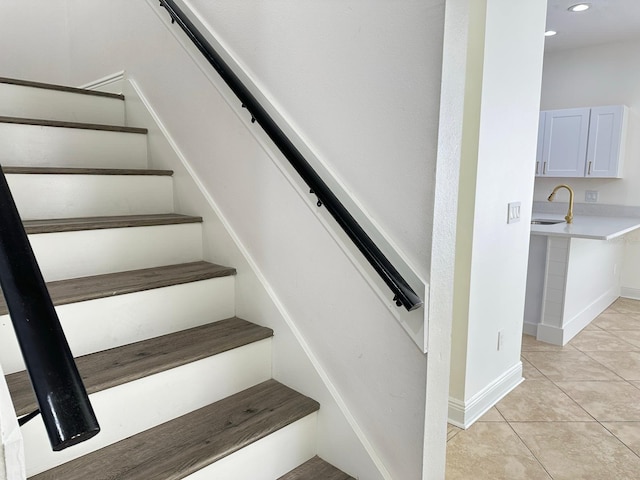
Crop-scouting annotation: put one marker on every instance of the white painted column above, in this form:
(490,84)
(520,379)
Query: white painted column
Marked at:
(12,466)
(504,52)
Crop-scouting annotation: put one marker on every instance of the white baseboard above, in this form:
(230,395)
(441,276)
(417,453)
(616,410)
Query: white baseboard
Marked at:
(629,292)
(463,414)
(550,334)
(562,335)
(530,329)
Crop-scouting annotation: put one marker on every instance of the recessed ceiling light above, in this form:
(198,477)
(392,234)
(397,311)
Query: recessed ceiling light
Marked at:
(550,33)
(579,7)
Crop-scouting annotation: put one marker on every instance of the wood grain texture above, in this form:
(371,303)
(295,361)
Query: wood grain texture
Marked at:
(316,469)
(63,124)
(124,364)
(60,88)
(100,286)
(99,223)
(178,448)
(83,171)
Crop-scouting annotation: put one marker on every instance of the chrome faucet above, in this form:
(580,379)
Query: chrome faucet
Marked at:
(569,216)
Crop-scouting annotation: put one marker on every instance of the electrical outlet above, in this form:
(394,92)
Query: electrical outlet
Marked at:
(513,212)
(591,196)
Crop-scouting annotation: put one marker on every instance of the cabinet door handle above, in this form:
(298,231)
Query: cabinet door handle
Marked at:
(589,171)
(544,168)
(537,168)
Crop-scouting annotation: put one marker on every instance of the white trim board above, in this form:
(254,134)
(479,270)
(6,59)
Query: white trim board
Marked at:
(112,83)
(562,335)
(629,292)
(463,414)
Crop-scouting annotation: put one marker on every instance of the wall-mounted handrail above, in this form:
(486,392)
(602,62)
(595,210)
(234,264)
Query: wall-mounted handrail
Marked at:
(404,294)
(61,396)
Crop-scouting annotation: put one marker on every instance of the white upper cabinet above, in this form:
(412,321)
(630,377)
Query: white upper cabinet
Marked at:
(605,151)
(581,142)
(564,146)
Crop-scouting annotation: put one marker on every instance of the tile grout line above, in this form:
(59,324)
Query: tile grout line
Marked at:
(569,396)
(619,439)
(608,368)
(529,449)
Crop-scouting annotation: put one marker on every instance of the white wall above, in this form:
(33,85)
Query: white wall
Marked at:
(49,47)
(499,146)
(360,81)
(366,356)
(377,64)
(601,75)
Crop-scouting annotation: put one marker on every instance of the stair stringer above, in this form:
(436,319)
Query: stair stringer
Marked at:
(340,439)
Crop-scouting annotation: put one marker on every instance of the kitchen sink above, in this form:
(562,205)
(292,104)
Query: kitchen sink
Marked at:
(541,221)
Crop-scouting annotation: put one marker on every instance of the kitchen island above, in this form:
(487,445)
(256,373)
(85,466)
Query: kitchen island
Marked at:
(574,273)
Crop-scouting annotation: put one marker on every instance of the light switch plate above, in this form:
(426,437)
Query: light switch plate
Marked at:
(513,213)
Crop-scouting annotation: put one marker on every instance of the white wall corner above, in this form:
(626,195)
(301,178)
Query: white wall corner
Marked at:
(464,413)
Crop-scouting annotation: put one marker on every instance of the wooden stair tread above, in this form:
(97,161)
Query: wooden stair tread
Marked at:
(61,88)
(120,365)
(180,447)
(98,223)
(83,171)
(100,286)
(316,469)
(64,124)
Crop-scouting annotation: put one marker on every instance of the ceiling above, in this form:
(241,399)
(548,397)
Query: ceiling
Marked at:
(606,21)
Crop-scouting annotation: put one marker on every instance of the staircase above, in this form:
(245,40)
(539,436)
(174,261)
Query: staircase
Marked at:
(181,387)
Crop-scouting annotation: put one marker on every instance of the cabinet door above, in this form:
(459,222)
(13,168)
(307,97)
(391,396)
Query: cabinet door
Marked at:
(564,149)
(539,154)
(605,147)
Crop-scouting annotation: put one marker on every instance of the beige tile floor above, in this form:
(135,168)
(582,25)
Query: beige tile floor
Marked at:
(576,415)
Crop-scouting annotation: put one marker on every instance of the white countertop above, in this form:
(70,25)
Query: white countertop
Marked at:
(585,226)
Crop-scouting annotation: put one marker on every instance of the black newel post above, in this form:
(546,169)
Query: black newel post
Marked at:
(67,414)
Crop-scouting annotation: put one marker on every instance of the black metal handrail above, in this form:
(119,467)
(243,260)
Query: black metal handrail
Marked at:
(61,396)
(404,294)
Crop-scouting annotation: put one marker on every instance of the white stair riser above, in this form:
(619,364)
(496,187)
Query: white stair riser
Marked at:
(131,408)
(104,323)
(268,458)
(44,104)
(37,146)
(65,196)
(83,253)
